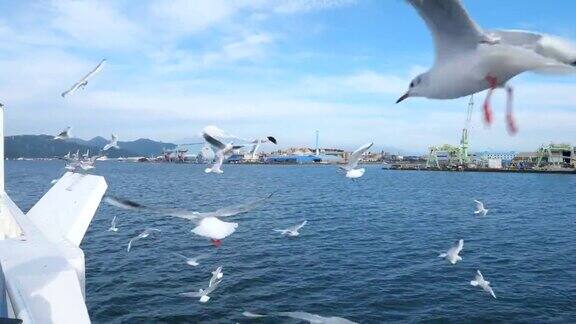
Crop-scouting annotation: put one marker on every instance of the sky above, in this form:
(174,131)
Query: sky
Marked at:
(252,67)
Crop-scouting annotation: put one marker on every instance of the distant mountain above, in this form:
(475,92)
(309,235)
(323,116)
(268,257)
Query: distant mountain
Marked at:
(44,146)
(97,141)
(146,147)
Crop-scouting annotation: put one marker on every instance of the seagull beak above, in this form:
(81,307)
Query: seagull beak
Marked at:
(404,96)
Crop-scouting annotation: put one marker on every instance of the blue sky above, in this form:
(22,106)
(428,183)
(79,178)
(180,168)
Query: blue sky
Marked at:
(254,67)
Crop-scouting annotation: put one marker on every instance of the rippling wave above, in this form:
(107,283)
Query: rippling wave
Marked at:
(368,253)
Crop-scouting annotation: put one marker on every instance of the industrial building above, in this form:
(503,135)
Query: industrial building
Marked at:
(559,155)
(494,160)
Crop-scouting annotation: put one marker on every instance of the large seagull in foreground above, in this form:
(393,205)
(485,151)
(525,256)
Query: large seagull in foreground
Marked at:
(470,59)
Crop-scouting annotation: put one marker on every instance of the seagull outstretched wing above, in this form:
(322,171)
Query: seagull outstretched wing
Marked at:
(452,28)
(356,156)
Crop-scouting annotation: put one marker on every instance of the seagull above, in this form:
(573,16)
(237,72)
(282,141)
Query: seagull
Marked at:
(256,145)
(203,293)
(315,319)
(452,254)
(72,161)
(470,59)
(112,144)
(216,276)
(84,81)
(350,167)
(142,235)
(484,284)
(113,227)
(253,315)
(65,134)
(292,231)
(214,229)
(224,150)
(88,164)
(191,261)
(208,224)
(480,208)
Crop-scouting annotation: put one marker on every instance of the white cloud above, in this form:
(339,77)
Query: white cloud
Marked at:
(249,47)
(183,17)
(301,6)
(96,24)
(363,82)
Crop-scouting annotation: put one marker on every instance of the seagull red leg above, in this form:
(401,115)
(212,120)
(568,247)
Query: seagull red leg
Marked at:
(492,82)
(509,113)
(216,243)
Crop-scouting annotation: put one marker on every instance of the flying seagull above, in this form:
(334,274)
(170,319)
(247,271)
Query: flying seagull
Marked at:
(191,261)
(470,59)
(65,134)
(88,163)
(84,81)
(72,161)
(270,139)
(253,315)
(292,231)
(113,227)
(216,276)
(203,293)
(480,208)
(224,150)
(112,144)
(351,167)
(452,254)
(208,224)
(484,284)
(142,235)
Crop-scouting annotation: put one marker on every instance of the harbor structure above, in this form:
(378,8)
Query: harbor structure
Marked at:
(447,155)
(444,156)
(557,155)
(494,160)
(464,157)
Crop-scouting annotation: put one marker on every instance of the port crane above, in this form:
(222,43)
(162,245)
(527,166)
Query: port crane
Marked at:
(456,156)
(464,157)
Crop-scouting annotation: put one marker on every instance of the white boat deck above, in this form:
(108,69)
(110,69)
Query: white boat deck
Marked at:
(42,263)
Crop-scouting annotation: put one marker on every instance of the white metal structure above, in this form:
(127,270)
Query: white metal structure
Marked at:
(41,261)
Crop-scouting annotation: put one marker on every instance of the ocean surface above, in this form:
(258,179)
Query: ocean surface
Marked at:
(369,252)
